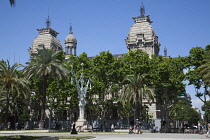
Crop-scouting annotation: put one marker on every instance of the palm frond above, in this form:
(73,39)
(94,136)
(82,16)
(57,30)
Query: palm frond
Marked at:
(12,2)
(136,90)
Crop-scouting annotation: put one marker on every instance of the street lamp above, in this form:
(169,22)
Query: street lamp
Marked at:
(82,88)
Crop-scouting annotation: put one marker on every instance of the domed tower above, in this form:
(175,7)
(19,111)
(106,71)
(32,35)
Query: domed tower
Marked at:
(142,36)
(46,38)
(71,44)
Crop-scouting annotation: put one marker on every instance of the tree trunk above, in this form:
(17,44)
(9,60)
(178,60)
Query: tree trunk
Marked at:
(138,106)
(42,119)
(7,108)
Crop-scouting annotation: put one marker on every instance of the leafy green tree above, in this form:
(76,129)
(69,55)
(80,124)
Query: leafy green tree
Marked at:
(61,99)
(206,109)
(197,73)
(46,64)
(167,77)
(11,81)
(105,79)
(182,111)
(136,62)
(136,90)
(205,67)
(204,72)
(195,60)
(126,111)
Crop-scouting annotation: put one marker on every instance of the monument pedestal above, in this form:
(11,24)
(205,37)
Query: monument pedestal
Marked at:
(82,125)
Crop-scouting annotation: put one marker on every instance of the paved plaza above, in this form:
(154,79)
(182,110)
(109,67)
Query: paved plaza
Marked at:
(122,136)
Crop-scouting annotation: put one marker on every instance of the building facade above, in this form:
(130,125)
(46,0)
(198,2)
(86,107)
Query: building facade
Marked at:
(70,44)
(48,38)
(142,36)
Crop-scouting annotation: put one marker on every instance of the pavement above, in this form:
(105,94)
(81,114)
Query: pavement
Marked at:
(114,135)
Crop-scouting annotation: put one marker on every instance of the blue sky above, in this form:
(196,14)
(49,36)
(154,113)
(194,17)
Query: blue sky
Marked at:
(102,25)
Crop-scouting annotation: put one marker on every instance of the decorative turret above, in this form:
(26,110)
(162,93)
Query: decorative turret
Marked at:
(47,38)
(71,44)
(142,36)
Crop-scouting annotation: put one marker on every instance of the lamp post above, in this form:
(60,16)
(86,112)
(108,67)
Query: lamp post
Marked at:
(82,88)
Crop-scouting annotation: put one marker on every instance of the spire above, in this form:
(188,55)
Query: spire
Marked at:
(165,52)
(48,22)
(142,10)
(70,29)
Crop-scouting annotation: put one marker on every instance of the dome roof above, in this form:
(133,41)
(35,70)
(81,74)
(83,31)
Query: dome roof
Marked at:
(46,38)
(70,38)
(141,29)
(142,36)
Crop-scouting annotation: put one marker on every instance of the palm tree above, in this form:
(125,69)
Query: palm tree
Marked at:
(10,81)
(45,65)
(135,91)
(12,2)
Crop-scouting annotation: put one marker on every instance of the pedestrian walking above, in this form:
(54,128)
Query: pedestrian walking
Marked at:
(112,127)
(138,129)
(8,125)
(200,128)
(207,133)
(154,129)
(2,126)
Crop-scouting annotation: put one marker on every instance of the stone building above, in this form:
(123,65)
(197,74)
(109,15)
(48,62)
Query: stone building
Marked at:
(48,38)
(142,36)
(71,44)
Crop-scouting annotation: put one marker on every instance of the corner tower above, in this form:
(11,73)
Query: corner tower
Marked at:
(71,44)
(47,38)
(142,36)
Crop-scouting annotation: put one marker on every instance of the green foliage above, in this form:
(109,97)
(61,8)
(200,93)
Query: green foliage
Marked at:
(167,77)
(195,60)
(126,110)
(198,74)
(204,68)
(49,77)
(12,85)
(47,64)
(196,57)
(135,91)
(206,108)
(104,76)
(136,62)
(61,95)
(182,111)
